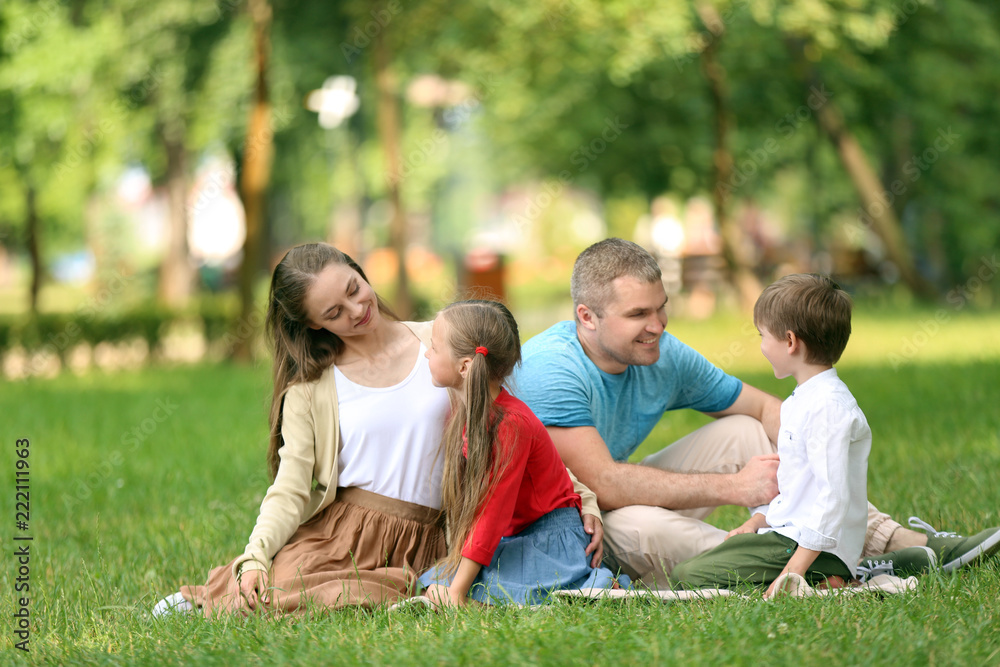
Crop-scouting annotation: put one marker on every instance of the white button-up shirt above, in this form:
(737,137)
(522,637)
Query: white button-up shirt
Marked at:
(823,445)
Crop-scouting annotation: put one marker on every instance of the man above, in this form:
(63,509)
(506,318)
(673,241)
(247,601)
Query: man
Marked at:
(601,383)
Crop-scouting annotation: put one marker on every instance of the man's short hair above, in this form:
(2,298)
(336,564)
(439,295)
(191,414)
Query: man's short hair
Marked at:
(601,263)
(811,306)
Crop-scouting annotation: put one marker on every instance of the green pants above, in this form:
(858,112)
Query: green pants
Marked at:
(751,558)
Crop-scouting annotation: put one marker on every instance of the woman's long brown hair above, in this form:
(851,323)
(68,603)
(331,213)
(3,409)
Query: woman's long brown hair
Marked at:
(301,354)
(469,481)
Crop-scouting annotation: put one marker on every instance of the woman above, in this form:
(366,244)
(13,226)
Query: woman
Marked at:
(353,513)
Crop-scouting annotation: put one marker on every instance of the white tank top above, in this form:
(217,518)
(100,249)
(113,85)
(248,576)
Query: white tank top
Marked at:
(391,436)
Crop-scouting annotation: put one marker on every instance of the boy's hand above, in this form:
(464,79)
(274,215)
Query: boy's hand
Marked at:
(800,562)
(751,525)
(739,531)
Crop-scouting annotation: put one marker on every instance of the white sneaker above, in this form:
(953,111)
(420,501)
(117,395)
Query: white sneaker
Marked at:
(172,604)
(415,601)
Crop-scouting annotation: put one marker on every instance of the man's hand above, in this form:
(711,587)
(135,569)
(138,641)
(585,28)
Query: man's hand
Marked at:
(757,483)
(621,484)
(593,527)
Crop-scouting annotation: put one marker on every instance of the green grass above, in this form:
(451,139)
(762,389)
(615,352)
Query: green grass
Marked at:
(121,517)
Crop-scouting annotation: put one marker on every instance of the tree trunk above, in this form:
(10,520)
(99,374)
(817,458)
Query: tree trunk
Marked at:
(876,212)
(734,250)
(176,275)
(254,177)
(31,228)
(389,131)
(345,231)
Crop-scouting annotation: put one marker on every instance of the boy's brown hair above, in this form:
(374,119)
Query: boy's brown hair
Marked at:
(811,306)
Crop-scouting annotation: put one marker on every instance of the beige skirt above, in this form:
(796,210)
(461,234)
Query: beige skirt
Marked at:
(363,550)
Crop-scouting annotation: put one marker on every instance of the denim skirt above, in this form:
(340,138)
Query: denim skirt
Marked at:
(546,556)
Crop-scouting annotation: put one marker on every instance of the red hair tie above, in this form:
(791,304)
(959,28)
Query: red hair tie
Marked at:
(482,350)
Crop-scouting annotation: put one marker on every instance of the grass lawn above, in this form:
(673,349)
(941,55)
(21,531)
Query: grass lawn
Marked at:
(142,481)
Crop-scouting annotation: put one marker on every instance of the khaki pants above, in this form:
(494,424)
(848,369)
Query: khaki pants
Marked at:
(647,542)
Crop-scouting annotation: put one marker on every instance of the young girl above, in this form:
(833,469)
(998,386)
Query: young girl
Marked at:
(516,529)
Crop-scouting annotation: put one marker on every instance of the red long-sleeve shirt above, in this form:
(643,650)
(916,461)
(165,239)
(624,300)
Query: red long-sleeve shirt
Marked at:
(534,483)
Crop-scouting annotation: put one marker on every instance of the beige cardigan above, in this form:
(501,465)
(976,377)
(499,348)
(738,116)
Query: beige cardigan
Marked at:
(310,427)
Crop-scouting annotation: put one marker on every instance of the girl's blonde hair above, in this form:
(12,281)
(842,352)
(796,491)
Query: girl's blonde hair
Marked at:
(470,480)
(301,354)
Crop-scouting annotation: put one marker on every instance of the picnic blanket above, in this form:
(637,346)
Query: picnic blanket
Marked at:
(789,585)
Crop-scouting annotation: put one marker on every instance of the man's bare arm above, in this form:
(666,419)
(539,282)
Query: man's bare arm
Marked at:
(619,484)
(758,404)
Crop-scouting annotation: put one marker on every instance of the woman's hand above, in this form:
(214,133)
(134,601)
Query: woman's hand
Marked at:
(253,587)
(593,527)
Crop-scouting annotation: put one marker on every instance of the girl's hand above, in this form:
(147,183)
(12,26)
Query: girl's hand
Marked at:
(457,599)
(253,585)
(593,527)
(444,596)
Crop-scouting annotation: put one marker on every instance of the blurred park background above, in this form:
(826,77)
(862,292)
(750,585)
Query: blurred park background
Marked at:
(157,159)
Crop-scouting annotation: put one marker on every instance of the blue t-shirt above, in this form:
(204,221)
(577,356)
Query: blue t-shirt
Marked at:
(563,387)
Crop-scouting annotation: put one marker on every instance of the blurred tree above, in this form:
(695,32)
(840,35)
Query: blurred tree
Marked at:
(99,85)
(388,113)
(734,245)
(59,132)
(628,98)
(926,105)
(177,40)
(256,168)
(567,70)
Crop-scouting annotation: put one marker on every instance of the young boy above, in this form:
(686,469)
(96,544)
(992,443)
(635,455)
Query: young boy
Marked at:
(815,527)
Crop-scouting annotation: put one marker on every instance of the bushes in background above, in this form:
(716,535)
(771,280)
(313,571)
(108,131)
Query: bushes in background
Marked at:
(59,333)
